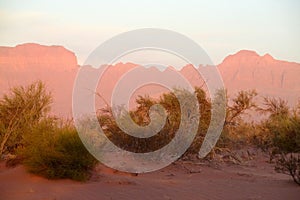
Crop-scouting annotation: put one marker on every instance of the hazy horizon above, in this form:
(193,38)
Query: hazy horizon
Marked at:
(263,26)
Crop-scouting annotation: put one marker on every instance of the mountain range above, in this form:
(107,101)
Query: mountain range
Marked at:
(57,67)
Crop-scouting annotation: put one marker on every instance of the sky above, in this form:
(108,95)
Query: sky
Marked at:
(220,27)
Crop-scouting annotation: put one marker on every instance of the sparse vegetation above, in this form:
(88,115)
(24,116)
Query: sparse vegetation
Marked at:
(53,149)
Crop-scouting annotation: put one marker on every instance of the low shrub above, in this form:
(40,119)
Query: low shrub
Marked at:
(236,131)
(281,129)
(285,133)
(56,151)
(290,165)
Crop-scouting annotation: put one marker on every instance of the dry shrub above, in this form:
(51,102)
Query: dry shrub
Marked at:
(289,164)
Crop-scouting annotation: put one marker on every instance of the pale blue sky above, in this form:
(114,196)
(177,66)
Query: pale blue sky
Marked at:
(220,27)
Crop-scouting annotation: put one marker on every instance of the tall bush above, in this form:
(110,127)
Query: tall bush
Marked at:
(21,109)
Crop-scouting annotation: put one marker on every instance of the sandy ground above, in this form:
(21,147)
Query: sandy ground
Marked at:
(252,180)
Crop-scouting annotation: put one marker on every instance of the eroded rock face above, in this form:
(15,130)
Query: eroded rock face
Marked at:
(29,56)
(54,65)
(270,77)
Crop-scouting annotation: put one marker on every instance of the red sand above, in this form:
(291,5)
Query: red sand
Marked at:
(255,179)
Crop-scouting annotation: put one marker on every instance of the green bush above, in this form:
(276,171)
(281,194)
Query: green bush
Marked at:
(56,151)
(236,132)
(285,133)
(282,126)
(141,117)
(239,106)
(21,109)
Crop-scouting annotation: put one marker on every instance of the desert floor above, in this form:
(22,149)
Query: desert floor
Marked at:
(254,179)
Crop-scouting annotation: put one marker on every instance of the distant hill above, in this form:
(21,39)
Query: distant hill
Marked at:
(58,67)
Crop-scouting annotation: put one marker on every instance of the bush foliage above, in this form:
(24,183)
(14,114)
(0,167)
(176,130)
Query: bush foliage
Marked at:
(242,102)
(56,151)
(21,109)
(282,127)
(141,117)
(45,146)
(283,136)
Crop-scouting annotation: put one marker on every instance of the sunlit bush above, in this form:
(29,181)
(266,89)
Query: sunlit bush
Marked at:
(55,150)
(236,132)
(20,109)
(282,127)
